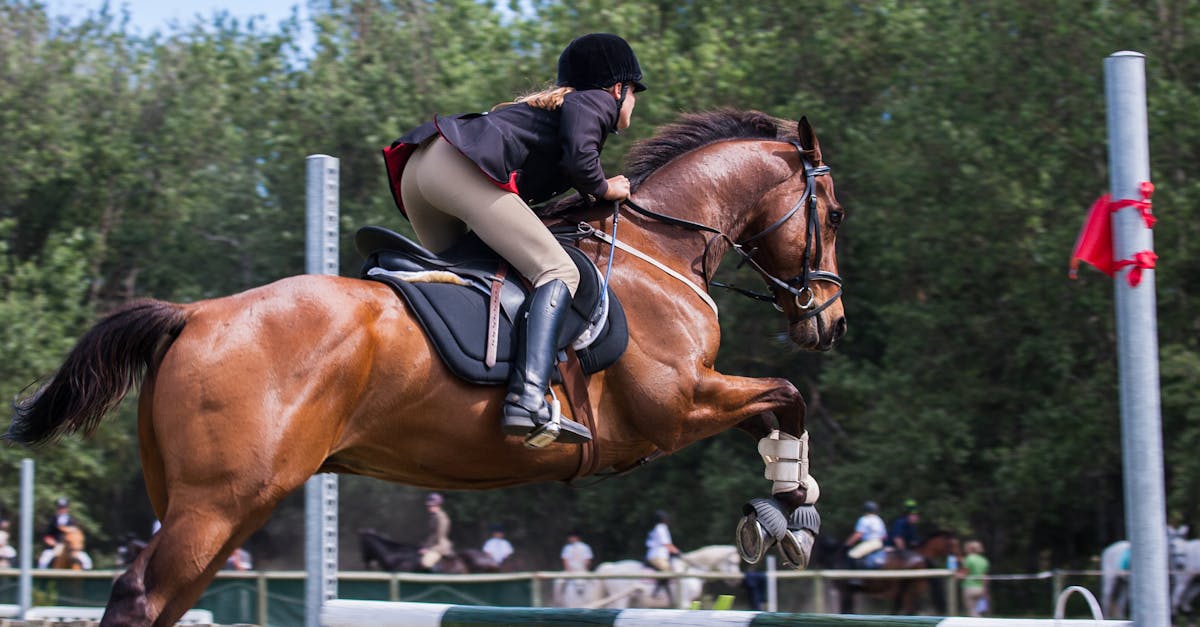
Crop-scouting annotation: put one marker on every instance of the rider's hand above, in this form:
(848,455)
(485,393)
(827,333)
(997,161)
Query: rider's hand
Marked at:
(618,188)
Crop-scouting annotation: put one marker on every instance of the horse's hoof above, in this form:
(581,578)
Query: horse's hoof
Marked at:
(796,548)
(805,517)
(752,539)
(763,523)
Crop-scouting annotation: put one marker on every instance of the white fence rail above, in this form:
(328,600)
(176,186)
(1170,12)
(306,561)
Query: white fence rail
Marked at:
(815,584)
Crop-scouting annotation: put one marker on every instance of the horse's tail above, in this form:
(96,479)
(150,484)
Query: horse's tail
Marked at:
(97,374)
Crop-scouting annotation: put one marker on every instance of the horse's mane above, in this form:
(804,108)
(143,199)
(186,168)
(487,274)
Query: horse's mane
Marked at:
(938,533)
(695,130)
(687,133)
(381,540)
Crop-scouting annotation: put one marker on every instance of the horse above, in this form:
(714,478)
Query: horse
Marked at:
(245,397)
(393,556)
(129,548)
(647,592)
(1114,572)
(903,593)
(69,554)
(1187,586)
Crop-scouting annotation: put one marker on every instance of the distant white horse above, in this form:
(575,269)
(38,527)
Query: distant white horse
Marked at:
(641,591)
(576,592)
(1114,562)
(1114,578)
(1187,583)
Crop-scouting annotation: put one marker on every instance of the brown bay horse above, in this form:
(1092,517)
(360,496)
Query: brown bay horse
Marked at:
(905,594)
(392,556)
(69,554)
(245,397)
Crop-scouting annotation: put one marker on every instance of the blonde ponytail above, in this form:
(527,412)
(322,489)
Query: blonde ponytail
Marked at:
(550,99)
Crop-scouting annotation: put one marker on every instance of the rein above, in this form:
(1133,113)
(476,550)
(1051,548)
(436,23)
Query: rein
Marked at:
(798,286)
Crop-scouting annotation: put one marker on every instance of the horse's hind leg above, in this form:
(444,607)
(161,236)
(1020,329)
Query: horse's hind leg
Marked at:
(183,557)
(209,501)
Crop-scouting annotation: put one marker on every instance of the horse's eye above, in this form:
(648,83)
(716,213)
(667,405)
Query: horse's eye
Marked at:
(836,217)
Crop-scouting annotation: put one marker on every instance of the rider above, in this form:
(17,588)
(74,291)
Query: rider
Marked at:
(866,543)
(437,545)
(481,172)
(60,519)
(903,532)
(659,549)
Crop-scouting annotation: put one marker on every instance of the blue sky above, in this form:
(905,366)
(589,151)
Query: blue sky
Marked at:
(147,16)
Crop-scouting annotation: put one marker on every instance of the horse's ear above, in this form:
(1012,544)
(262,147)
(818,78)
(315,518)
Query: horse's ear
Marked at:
(808,138)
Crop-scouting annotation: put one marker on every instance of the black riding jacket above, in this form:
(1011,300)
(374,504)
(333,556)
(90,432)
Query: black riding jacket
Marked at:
(534,153)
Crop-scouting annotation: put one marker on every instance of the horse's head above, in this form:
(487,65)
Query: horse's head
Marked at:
(828,552)
(798,247)
(939,545)
(73,538)
(131,546)
(1177,544)
(715,558)
(787,215)
(369,546)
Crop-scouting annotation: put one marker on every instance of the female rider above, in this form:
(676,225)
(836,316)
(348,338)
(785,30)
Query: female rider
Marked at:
(482,171)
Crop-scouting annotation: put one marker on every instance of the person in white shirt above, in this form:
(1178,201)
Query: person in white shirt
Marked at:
(576,557)
(497,546)
(7,552)
(576,554)
(870,532)
(659,546)
(659,549)
(239,560)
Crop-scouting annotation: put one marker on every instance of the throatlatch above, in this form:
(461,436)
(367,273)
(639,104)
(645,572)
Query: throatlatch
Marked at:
(765,522)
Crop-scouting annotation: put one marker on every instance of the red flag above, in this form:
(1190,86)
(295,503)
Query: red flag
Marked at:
(1094,244)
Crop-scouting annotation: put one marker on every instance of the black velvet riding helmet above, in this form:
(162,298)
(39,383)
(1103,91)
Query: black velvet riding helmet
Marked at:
(597,61)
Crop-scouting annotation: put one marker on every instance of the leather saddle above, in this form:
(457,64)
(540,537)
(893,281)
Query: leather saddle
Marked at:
(466,299)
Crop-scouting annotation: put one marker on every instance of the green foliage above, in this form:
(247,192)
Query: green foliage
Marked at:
(966,140)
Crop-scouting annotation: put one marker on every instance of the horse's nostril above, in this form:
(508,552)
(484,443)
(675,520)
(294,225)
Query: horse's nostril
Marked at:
(839,328)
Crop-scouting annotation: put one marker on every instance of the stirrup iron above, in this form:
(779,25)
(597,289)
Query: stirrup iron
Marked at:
(548,432)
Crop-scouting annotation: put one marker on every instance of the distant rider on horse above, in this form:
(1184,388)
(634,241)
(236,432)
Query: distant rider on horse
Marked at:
(903,533)
(437,544)
(870,532)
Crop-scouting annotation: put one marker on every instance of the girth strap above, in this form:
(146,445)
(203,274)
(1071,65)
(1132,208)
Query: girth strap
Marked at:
(575,384)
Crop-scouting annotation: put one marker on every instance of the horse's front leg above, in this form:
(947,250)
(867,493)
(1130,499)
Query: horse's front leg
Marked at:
(788,518)
(788,426)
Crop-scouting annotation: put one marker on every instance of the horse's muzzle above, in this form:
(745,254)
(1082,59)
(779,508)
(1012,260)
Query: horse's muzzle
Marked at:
(818,333)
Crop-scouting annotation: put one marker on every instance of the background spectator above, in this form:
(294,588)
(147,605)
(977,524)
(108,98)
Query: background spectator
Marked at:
(239,560)
(497,546)
(576,554)
(974,586)
(7,552)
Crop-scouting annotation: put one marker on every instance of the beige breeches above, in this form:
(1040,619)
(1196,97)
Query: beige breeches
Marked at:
(865,548)
(430,557)
(445,194)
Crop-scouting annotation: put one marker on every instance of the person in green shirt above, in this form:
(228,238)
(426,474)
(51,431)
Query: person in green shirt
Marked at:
(974,585)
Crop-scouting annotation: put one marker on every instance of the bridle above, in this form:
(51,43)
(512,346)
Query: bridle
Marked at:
(799,286)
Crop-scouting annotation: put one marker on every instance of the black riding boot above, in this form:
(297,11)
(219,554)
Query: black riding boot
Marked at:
(525,407)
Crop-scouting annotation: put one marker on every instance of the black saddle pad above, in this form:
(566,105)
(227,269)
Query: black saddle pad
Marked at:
(455,317)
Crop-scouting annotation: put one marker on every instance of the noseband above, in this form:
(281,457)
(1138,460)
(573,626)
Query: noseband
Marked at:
(799,286)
